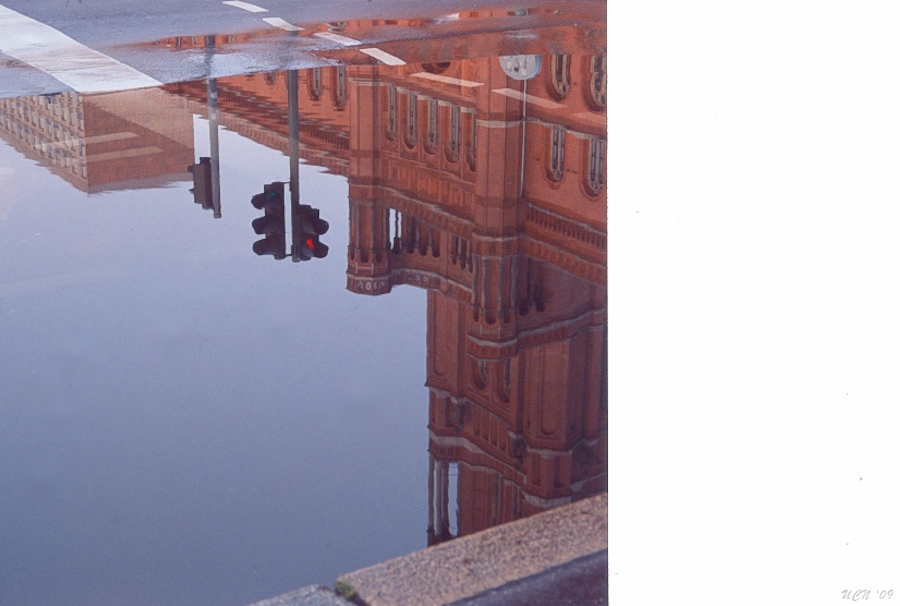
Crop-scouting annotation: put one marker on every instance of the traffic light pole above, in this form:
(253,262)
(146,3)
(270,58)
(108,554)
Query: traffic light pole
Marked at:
(212,96)
(294,148)
(212,106)
(294,133)
(306,224)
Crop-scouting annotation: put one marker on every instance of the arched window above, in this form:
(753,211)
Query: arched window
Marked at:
(504,385)
(479,373)
(432,136)
(340,87)
(451,150)
(557,154)
(597,86)
(397,242)
(391,131)
(560,76)
(472,142)
(596,160)
(410,134)
(314,84)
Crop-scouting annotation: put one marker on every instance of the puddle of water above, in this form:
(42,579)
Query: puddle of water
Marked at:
(190,421)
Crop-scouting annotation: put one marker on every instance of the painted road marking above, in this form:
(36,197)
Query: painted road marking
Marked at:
(386,58)
(529,98)
(448,79)
(338,38)
(81,68)
(279,22)
(246,6)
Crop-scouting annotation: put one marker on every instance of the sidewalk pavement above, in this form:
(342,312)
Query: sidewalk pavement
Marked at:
(558,557)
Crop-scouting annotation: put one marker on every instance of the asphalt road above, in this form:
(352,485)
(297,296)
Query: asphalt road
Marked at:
(45,46)
(103,24)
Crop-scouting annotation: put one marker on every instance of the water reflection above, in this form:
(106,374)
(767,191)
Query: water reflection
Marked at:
(486,191)
(103,142)
(500,215)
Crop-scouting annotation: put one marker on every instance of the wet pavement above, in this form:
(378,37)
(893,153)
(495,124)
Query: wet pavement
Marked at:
(318,299)
(582,582)
(557,558)
(52,48)
(539,554)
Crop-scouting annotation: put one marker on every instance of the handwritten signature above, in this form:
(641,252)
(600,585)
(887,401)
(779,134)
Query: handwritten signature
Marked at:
(865,594)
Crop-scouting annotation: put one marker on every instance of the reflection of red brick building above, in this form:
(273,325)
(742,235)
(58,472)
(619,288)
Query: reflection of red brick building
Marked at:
(255,106)
(504,227)
(98,141)
(487,192)
(509,240)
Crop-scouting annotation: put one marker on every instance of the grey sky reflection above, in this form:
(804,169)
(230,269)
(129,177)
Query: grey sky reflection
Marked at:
(182,417)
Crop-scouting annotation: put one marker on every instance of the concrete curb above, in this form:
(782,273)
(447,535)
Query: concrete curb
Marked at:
(474,564)
(311,595)
(577,583)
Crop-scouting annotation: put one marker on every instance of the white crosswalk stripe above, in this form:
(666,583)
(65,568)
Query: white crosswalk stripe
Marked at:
(386,58)
(279,22)
(246,6)
(83,69)
(344,40)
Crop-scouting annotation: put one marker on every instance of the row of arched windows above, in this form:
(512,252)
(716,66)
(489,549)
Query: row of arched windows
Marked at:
(339,90)
(407,104)
(403,119)
(410,234)
(559,79)
(595,160)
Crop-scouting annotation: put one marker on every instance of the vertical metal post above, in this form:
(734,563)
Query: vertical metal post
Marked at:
(212,97)
(294,150)
(212,101)
(294,132)
(524,126)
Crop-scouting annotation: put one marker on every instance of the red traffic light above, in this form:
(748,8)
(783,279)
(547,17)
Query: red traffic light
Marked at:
(306,227)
